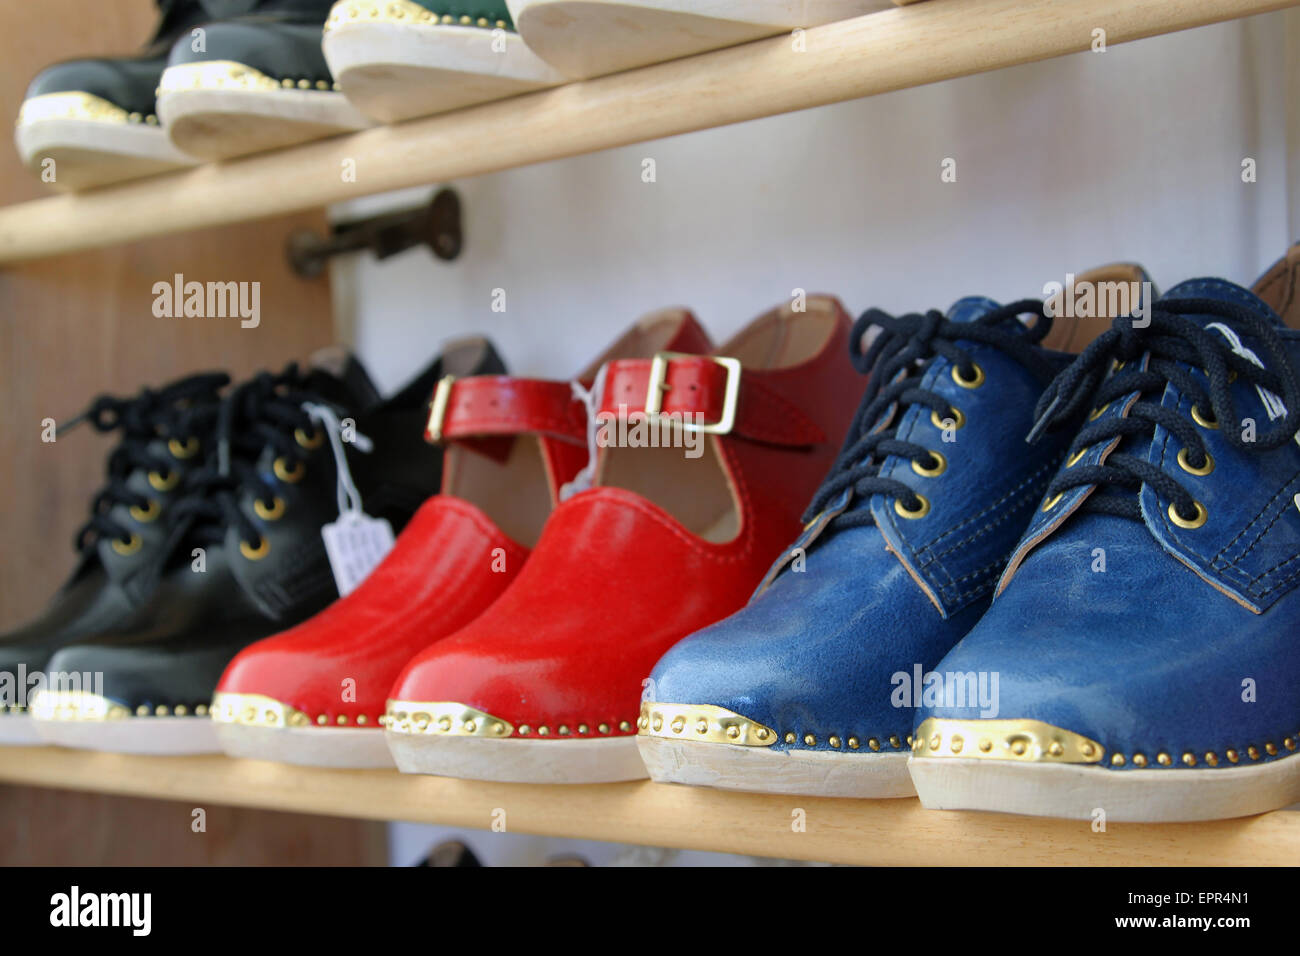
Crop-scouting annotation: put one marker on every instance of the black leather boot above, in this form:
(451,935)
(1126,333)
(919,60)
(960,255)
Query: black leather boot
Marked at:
(245,556)
(259,81)
(165,435)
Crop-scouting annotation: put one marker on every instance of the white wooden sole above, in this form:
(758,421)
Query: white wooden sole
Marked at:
(518,761)
(345,747)
(586,38)
(89,153)
(16,730)
(1078,792)
(212,111)
(763,770)
(133,735)
(397,71)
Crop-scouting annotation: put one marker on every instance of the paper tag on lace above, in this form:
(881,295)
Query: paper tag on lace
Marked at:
(355,544)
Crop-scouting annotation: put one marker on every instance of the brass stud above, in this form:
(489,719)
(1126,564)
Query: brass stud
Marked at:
(1018,748)
(1055,749)
(834,742)
(444,723)
(1189,759)
(287,83)
(524,730)
(1233,756)
(702,726)
(543,731)
(657,724)
(1271,749)
(809,740)
(1139,760)
(874,744)
(789,738)
(854,743)
(304,84)
(201,710)
(643,723)
(142,711)
(160,711)
(733,732)
(1252,752)
(1212,758)
(322,84)
(1117,760)
(934,742)
(679,724)
(624,726)
(985,745)
(1289,743)
(564,730)
(894,742)
(322,719)
(762,733)
(603,728)
(341,719)
(583,729)
(362,719)
(1088,749)
(181,710)
(1164,759)
(956,742)
(471,727)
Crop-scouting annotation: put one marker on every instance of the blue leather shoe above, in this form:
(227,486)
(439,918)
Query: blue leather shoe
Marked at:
(1146,632)
(809,689)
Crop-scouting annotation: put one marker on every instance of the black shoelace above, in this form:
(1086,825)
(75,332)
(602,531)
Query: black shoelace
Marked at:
(265,412)
(1173,342)
(183,411)
(896,361)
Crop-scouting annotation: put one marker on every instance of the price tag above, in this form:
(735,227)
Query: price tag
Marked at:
(355,544)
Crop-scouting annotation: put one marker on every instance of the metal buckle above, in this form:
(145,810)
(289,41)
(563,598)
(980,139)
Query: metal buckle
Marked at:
(654,399)
(438,409)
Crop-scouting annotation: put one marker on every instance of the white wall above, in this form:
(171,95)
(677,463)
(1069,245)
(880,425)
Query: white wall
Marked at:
(1134,153)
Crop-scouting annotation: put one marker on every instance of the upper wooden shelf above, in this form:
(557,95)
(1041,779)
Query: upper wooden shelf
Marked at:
(868,832)
(891,50)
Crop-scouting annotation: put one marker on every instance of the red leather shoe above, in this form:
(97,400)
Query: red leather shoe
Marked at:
(545,685)
(315,694)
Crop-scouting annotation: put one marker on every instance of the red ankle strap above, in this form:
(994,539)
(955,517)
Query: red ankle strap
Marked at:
(488,405)
(731,400)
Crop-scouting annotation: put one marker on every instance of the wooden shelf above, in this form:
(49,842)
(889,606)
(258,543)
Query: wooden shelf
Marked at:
(909,46)
(869,832)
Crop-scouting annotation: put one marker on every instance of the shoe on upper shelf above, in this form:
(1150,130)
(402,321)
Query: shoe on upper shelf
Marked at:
(164,435)
(701,464)
(511,445)
(245,554)
(93,121)
(1144,633)
(406,58)
(799,691)
(586,38)
(253,81)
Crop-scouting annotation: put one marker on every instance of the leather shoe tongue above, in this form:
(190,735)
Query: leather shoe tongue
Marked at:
(337,375)
(1223,291)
